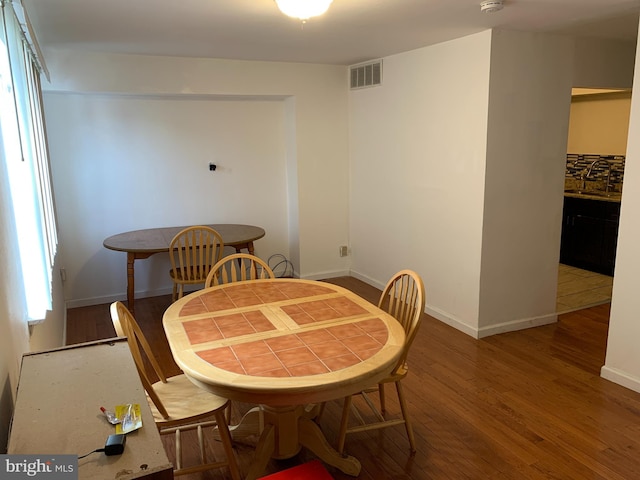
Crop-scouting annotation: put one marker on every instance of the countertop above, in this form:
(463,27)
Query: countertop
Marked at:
(595,195)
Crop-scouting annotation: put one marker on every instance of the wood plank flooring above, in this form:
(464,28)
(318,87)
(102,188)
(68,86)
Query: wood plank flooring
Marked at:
(523,405)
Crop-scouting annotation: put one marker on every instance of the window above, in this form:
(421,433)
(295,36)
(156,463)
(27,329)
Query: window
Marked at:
(23,150)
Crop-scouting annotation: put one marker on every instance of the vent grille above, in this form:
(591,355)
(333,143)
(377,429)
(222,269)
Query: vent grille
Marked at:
(366,75)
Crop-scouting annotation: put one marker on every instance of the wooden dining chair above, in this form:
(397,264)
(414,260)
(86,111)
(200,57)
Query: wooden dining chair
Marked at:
(404,299)
(177,404)
(193,251)
(238,267)
(235,268)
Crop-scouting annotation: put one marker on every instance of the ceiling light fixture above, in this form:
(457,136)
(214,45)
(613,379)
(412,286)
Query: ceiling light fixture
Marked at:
(303,9)
(490,6)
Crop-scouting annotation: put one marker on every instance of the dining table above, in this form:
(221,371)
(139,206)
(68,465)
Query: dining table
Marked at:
(141,244)
(285,345)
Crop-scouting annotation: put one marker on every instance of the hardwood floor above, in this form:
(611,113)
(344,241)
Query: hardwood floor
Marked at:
(521,405)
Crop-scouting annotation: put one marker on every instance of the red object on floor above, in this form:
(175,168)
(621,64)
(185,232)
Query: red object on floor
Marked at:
(313,470)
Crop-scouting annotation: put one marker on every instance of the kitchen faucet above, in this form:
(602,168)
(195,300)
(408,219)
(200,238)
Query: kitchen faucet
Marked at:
(590,169)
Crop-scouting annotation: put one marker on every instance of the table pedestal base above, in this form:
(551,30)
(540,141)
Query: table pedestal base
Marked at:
(283,432)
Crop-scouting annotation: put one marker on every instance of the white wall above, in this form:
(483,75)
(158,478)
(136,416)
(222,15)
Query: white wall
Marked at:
(418,147)
(51,333)
(131,138)
(14,338)
(457,171)
(529,104)
(622,363)
(600,63)
(156,174)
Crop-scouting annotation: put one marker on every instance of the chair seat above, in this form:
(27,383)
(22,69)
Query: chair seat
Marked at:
(183,399)
(313,470)
(177,404)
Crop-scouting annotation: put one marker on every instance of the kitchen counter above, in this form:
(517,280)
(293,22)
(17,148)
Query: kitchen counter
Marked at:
(595,195)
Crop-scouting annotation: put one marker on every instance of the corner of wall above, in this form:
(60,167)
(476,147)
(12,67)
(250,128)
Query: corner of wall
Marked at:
(51,332)
(621,378)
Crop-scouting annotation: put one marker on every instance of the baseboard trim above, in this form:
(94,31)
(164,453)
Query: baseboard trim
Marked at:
(367,280)
(621,378)
(472,331)
(452,321)
(438,314)
(122,297)
(324,275)
(87,302)
(435,313)
(514,325)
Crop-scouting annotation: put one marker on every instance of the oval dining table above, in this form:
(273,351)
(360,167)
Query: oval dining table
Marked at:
(283,344)
(141,244)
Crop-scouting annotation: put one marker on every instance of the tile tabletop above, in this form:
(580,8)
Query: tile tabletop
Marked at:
(277,339)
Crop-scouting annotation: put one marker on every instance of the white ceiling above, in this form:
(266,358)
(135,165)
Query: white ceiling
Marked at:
(351,31)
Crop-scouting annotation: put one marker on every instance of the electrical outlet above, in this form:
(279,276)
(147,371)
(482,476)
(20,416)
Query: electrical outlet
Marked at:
(344,250)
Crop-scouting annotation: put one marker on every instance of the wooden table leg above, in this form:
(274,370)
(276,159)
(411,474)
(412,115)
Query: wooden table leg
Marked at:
(286,431)
(251,425)
(263,453)
(131,258)
(248,246)
(131,290)
(312,438)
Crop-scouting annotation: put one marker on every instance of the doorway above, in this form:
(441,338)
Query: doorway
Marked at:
(596,146)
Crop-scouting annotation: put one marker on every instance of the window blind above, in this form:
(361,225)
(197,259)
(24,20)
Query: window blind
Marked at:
(23,149)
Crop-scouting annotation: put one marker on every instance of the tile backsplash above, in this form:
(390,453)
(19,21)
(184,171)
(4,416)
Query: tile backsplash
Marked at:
(579,163)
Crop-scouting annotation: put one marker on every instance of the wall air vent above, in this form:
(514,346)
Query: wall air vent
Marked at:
(366,74)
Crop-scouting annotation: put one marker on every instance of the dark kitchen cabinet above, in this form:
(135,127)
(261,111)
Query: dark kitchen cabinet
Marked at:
(590,234)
